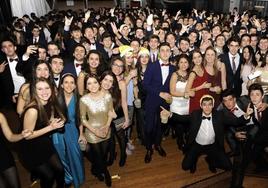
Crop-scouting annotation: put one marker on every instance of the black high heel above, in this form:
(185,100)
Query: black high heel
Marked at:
(111,159)
(108,180)
(122,161)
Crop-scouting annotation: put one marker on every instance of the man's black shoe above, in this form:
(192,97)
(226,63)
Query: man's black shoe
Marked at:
(148,156)
(161,151)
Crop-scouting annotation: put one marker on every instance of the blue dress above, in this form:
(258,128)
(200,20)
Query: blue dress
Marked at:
(68,148)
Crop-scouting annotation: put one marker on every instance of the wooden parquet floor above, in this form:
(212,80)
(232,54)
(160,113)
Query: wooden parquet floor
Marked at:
(160,173)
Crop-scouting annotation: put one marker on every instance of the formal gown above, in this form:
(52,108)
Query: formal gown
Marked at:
(215,80)
(21,7)
(68,148)
(247,70)
(180,105)
(194,101)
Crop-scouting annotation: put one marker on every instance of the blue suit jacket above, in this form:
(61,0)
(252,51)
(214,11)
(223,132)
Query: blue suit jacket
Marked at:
(153,85)
(69,68)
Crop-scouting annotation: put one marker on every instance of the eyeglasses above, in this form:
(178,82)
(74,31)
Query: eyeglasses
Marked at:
(119,66)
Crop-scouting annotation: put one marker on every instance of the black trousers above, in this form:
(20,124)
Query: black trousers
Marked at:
(241,162)
(260,142)
(216,156)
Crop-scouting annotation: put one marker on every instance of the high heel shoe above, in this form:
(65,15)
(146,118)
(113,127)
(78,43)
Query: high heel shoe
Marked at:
(122,161)
(111,159)
(108,180)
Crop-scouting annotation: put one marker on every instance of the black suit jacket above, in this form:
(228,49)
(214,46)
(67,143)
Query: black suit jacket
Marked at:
(232,80)
(41,41)
(6,83)
(219,121)
(242,103)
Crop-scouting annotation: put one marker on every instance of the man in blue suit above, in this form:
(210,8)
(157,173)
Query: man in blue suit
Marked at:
(156,84)
(74,66)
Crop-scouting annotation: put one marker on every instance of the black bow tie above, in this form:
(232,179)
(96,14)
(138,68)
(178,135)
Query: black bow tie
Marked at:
(15,59)
(56,79)
(164,64)
(204,117)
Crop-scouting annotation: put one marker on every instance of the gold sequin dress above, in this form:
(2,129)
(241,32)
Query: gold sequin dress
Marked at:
(94,112)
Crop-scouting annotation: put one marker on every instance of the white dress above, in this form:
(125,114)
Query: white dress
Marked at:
(21,7)
(247,70)
(180,105)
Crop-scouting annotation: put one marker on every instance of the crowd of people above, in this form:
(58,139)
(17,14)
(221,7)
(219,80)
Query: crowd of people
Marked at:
(80,81)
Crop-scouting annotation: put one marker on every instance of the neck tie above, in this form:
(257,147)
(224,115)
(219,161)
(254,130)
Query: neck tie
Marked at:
(162,65)
(154,59)
(56,79)
(78,65)
(11,60)
(204,117)
(35,40)
(259,116)
(233,64)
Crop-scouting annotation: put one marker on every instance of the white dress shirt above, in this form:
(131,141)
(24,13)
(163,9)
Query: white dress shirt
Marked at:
(239,112)
(164,71)
(206,134)
(17,79)
(57,80)
(35,39)
(77,69)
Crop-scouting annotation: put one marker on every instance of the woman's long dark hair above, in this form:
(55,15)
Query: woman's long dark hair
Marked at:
(53,102)
(101,66)
(252,55)
(114,90)
(139,69)
(34,77)
(62,102)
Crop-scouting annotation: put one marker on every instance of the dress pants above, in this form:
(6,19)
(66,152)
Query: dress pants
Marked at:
(216,156)
(152,129)
(240,163)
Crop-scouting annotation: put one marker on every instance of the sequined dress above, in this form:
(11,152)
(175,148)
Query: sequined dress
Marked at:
(94,112)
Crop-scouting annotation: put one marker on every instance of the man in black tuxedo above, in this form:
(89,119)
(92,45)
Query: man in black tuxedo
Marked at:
(240,139)
(234,107)
(260,118)
(37,37)
(206,135)
(11,71)
(233,62)
(56,64)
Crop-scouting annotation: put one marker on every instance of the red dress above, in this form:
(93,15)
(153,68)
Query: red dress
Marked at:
(215,80)
(199,80)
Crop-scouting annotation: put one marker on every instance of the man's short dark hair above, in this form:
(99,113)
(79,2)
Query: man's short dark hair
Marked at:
(154,37)
(164,44)
(234,39)
(226,93)
(254,87)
